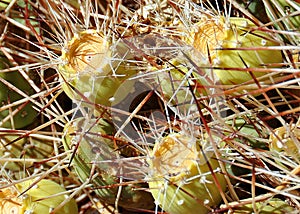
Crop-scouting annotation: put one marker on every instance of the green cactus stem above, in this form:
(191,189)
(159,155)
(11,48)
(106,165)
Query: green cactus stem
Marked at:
(96,145)
(25,115)
(25,148)
(272,206)
(285,16)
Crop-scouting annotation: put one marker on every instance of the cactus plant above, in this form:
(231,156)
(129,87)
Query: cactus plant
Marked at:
(237,51)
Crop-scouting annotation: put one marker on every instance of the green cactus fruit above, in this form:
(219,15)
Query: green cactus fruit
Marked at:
(285,141)
(96,69)
(26,114)
(38,199)
(96,145)
(214,35)
(23,149)
(272,206)
(180,179)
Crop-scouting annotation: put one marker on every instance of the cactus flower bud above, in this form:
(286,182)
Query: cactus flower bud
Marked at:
(180,179)
(38,199)
(234,43)
(95,68)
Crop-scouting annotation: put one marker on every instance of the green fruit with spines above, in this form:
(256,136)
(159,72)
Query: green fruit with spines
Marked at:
(26,115)
(95,69)
(180,177)
(36,199)
(96,145)
(234,43)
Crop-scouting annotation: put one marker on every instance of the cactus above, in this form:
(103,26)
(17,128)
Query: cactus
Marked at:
(97,66)
(98,137)
(272,206)
(26,114)
(24,148)
(222,40)
(37,197)
(181,180)
(96,69)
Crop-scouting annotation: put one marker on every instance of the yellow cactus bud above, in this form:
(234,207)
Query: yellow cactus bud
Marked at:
(180,178)
(38,199)
(95,68)
(238,35)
